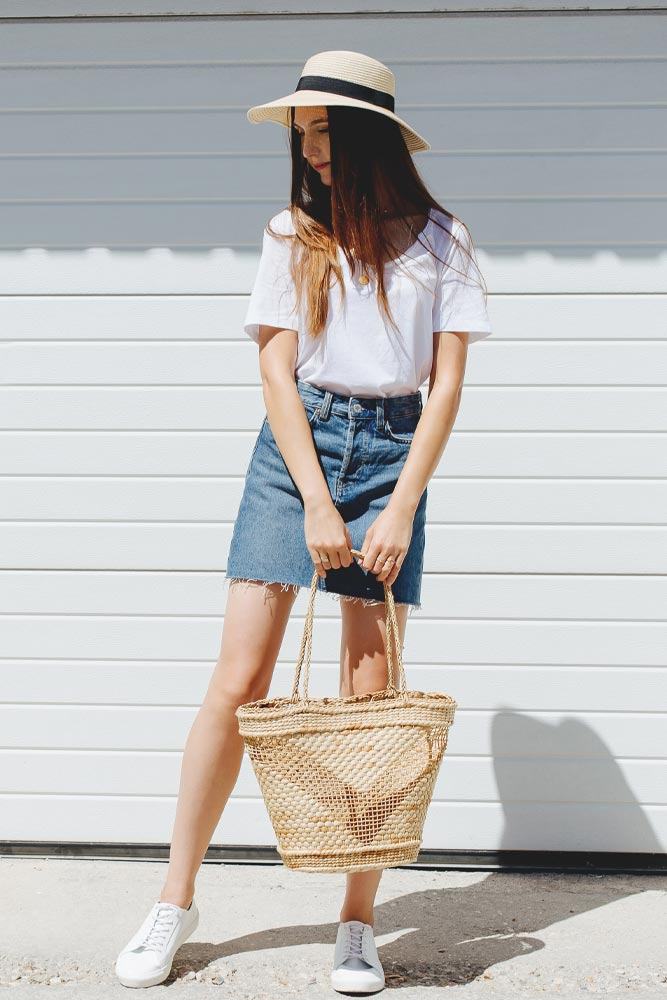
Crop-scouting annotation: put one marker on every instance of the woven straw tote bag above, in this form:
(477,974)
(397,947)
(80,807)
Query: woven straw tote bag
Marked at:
(347,781)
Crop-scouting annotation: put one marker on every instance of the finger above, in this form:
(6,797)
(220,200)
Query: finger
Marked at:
(380,559)
(372,555)
(319,565)
(386,566)
(360,558)
(326,559)
(344,557)
(365,549)
(334,558)
(391,567)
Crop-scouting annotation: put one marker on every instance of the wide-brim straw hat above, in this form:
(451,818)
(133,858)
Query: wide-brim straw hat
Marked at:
(344,78)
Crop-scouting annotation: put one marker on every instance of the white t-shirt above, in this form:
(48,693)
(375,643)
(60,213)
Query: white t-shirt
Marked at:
(359,353)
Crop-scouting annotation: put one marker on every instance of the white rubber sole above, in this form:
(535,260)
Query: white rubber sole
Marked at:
(157,977)
(351,981)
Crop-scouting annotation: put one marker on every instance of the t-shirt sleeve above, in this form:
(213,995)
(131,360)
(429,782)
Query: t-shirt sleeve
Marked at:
(459,296)
(273,297)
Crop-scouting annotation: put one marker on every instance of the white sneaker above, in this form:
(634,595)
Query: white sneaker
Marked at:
(356,966)
(147,957)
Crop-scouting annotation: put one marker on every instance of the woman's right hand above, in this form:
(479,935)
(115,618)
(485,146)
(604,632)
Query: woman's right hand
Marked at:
(327,536)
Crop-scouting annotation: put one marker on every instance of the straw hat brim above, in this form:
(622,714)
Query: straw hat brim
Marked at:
(278,111)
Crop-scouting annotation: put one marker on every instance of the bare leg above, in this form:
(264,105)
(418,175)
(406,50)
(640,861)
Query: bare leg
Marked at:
(363,668)
(253,629)
(360,895)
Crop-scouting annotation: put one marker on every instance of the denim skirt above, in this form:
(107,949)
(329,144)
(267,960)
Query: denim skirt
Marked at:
(361,443)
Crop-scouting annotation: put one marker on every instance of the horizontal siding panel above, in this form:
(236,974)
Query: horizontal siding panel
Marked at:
(430,640)
(456,129)
(460,779)
(463,130)
(444,596)
(568,269)
(545,224)
(200,454)
(193,363)
(460,826)
(461,548)
(456,40)
(196,84)
(450,500)
(220,318)
(507,733)
(225,177)
(529,688)
(498,409)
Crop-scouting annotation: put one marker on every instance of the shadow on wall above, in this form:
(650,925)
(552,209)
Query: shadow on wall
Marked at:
(561,786)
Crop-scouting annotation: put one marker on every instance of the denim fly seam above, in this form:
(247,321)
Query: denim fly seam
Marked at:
(361,444)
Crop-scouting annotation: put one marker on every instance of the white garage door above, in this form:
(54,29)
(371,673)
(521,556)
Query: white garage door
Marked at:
(134,192)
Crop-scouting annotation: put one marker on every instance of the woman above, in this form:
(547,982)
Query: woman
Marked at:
(364,291)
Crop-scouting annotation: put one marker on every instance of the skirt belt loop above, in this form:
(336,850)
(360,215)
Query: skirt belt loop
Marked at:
(380,413)
(325,408)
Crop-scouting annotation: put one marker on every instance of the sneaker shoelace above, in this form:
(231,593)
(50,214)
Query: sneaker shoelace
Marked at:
(157,933)
(356,934)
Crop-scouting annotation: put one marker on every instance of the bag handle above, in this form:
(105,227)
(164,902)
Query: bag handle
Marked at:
(391,626)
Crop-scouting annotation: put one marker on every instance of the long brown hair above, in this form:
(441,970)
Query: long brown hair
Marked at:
(371,168)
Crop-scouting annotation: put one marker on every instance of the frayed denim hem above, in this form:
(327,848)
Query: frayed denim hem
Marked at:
(266,583)
(365,601)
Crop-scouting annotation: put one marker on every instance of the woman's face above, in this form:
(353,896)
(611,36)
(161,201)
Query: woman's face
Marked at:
(312,125)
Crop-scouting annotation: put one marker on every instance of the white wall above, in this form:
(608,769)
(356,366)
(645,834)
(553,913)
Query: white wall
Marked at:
(134,192)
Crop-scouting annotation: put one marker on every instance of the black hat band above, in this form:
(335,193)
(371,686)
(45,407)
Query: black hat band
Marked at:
(347,89)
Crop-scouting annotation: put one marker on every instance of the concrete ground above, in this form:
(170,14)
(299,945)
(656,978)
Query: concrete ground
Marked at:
(268,932)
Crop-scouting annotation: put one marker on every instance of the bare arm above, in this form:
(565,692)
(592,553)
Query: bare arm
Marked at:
(437,419)
(326,532)
(286,414)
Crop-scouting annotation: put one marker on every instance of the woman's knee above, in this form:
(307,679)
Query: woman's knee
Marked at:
(228,689)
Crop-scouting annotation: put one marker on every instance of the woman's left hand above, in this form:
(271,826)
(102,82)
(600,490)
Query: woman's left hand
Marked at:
(388,538)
